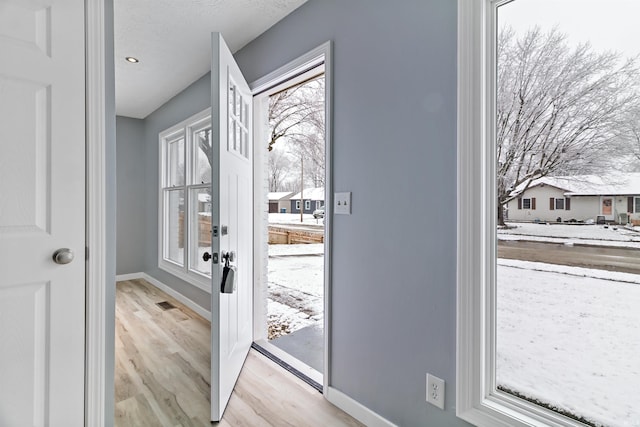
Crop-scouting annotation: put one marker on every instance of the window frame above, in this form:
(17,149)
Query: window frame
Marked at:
(477,399)
(298,205)
(187,128)
(307,205)
(524,200)
(636,199)
(555,204)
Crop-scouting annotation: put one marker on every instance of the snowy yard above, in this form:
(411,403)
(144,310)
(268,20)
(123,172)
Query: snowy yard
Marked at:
(293,219)
(296,287)
(570,338)
(564,233)
(567,336)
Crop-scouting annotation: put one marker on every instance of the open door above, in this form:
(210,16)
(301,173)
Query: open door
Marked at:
(232,241)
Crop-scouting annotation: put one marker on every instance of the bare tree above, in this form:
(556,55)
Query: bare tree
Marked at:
(559,108)
(296,117)
(279,167)
(293,111)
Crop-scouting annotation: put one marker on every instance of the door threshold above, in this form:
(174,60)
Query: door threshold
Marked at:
(290,363)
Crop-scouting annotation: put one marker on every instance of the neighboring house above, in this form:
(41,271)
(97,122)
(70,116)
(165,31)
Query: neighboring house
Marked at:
(313,199)
(613,197)
(279,202)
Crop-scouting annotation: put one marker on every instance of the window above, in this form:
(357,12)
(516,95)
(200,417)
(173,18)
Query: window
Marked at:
(636,204)
(307,205)
(489,383)
(298,204)
(318,204)
(185,200)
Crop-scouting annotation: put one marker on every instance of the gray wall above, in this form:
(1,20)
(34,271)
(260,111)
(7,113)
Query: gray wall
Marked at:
(138,145)
(394,116)
(131,216)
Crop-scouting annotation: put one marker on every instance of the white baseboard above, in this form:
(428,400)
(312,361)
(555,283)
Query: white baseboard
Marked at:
(131,276)
(169,290)
(356,410)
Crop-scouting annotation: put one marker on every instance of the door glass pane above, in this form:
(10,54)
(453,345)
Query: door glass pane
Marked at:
(200,200)
(174,226)
(175,162)
(204,156)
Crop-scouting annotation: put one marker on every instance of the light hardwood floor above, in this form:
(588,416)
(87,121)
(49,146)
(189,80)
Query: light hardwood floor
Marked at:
(163,373)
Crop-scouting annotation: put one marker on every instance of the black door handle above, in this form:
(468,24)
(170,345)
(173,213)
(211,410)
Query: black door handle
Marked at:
(206,256)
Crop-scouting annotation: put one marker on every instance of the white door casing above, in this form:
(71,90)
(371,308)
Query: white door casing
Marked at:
(232,188)
(42,208)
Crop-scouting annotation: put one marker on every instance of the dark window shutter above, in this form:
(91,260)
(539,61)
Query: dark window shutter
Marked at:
(567,203)
(552,203)
(630,204)
(519,202)
(533,203)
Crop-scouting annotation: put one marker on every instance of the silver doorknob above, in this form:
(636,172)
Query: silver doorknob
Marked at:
(63,256)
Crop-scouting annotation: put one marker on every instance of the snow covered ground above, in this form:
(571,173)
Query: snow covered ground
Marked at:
(571,339)
(564,233)
(296,287)
(567,336)
(292,218)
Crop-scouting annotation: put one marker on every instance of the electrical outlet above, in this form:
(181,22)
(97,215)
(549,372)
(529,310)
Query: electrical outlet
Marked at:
(342,203)
(435,391)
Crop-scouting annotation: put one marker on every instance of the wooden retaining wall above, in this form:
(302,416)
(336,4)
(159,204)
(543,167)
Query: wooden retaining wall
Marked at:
(287,236)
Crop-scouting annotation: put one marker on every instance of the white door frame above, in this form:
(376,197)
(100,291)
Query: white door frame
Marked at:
(96,345)
(308,61)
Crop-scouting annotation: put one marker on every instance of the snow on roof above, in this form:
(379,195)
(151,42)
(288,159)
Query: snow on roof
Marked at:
(311,194)
(591,185)
(279,195)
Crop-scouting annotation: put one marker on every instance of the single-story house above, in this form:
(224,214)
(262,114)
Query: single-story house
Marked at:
(279,201)
(615,197)
(313,199)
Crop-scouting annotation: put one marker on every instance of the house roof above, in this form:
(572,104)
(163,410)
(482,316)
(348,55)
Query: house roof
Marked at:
(311,194)
(590,185)
(280,195)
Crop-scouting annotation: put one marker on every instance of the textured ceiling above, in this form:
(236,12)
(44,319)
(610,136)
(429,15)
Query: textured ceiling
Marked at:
(172,38)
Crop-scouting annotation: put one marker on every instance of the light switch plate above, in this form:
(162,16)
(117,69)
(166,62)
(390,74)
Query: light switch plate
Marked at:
(342,203)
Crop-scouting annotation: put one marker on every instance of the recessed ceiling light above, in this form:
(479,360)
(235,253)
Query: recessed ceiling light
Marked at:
(132,59)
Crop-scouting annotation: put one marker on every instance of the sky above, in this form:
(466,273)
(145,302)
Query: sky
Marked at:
(607,24)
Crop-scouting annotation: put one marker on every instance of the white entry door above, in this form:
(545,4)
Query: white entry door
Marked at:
(231,313)
(42,210)
(607,207)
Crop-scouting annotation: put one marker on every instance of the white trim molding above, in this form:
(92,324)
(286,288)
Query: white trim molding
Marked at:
(356,409)
(96,280)
(477,399)
(185,130)
(295,72)
(168,290)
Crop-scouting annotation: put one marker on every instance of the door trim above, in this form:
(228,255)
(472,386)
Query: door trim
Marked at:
(304,63)
(96,345)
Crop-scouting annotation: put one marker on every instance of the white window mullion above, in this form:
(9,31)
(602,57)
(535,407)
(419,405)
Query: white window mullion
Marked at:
(180,185)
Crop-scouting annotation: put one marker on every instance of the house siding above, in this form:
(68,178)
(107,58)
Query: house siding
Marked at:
(293,208)
(542,211)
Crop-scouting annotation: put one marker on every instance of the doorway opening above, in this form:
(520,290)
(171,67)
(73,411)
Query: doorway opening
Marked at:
(290,294)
